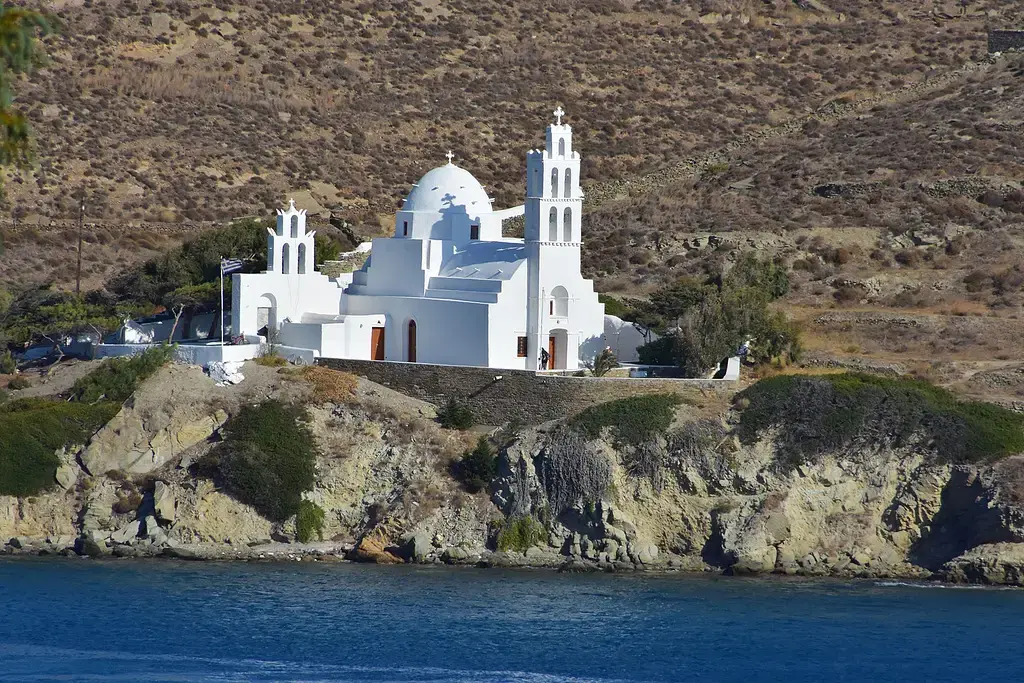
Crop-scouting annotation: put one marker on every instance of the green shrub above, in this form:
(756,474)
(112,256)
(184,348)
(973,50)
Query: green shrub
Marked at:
(828,412)
(520,534)
(32,429)
(455,415)
(477,468)
(603,363)
(613,306)
(268,458)
(118,378)
(309,522)
(18,382)
(7,364)
(632,420)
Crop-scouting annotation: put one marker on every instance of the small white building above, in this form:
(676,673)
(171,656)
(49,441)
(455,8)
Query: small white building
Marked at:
(446,288)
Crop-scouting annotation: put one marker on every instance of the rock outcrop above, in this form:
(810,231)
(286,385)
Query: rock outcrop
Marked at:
(696,499)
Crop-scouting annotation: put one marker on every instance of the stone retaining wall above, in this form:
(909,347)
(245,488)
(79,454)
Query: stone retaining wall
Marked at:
(519,395)
(1005,40)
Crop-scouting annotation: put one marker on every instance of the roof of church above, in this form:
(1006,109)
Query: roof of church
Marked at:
(485,261)
(446,187)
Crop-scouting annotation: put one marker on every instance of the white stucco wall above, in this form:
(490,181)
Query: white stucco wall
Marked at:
(623,338)
(292,295)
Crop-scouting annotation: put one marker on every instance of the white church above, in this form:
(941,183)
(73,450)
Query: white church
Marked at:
(446,288)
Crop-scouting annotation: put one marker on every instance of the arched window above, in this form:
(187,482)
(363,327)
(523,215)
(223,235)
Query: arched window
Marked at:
(295,226)
(567,188)
(553,225)
(302,258)
(280,226)
(561,148)
(285,268)
(567,225)
(412,341)
(554,183)
(560,297)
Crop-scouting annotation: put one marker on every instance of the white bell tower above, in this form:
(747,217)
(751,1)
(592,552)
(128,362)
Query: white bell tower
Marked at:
(554,203)
(290,249)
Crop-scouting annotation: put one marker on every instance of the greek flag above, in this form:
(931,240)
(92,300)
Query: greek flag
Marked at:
(230,265)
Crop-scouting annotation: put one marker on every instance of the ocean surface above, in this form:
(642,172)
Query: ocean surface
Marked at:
(82,620)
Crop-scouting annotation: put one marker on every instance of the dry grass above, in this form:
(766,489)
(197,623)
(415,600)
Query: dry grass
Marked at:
(331,386)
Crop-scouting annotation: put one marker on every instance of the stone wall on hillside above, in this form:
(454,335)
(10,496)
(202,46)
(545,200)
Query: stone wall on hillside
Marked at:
(1005,40)
(518,395)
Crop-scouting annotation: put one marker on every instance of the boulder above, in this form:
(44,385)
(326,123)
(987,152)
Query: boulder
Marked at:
(163,502)
(372,550)
(152,527)
(126,534)
(454,555)
(93,543)
(417,546)
(647,554)
(66,476)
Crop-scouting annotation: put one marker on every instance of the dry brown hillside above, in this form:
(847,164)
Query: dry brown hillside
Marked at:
(849,139)
(191,110)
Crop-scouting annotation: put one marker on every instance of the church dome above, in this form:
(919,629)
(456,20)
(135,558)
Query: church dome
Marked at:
(446,187)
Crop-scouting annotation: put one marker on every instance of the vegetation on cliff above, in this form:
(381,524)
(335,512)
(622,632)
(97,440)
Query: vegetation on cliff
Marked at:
(32,429)
(823,413)
(702,322)
(117,378)
(477,468)
(631,420)
(268,459)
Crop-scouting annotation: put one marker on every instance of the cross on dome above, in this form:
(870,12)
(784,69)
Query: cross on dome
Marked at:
(449,156)
(559,113)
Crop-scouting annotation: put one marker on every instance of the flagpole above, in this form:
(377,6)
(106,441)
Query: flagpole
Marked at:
(222,305)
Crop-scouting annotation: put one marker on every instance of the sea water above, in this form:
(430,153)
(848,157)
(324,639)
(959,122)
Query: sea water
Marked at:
(83,620)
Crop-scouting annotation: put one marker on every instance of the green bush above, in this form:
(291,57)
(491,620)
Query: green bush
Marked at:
(118,378)
(632,420)
(455,415)
(520,534)
(309,522)
(477,468)
(823,413)
(613,306)
(268,458)
(18,382)
(32,429)
(7,364)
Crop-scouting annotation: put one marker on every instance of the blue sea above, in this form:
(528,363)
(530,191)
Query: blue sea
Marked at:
(144,621)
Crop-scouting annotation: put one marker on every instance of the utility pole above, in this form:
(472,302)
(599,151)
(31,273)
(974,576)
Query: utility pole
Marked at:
(78,270)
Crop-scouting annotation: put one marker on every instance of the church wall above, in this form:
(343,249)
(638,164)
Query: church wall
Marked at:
(292,294)
(519,394)
(396,268)
(446,331)
(508,322)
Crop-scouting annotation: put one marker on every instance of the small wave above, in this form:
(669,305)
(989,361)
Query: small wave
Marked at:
(936,584)
(55,664)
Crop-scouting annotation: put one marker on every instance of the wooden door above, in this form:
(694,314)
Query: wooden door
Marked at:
(377,344)
(412,341)
(551,352)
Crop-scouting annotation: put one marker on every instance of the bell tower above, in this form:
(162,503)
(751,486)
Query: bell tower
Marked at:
(552,234)
(290,249)
(553,196)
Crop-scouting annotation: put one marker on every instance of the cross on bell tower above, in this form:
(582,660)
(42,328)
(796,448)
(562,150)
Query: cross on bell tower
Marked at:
(559,113)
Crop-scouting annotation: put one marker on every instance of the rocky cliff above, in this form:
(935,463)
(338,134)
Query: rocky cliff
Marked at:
(694,497)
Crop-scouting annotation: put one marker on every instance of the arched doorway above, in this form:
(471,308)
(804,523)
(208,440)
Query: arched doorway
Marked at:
(412,342)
